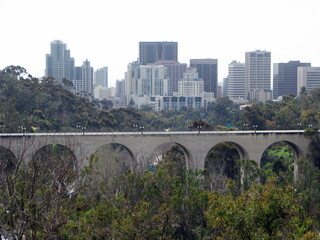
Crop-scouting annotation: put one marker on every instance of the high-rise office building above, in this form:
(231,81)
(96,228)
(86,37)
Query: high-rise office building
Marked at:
(258,75)
(191,84)
(153,80)
(83,85)
(236,81)
(146,80)
(120,88)
(225,87)
(131,80)
(151,52)
(285,78)
(59,64)
(101,77)
(208,71)
(175,72)
(308,77)
(120,91)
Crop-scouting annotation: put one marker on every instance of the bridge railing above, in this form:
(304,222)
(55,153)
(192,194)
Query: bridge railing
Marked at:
(152,133)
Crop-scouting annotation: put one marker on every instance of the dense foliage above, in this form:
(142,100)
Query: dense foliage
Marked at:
(51,197)
(48,199)
(38,104)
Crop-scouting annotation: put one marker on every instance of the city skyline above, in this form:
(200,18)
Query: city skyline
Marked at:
(223,31)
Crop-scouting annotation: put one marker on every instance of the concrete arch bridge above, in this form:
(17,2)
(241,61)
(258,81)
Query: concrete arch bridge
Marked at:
(141,145)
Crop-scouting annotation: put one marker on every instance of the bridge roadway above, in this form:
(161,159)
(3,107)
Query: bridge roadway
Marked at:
(141,145)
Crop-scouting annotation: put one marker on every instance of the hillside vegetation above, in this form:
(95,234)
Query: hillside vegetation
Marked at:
(38,104)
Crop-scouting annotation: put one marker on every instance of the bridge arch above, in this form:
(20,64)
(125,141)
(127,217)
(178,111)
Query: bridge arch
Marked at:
(221,163)
(163,148)
(285,168)
(114,151)
(56,152)
(8,160)
(242,152)
(298,153)
(56,166)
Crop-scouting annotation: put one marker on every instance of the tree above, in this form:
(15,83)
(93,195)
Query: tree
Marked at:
(37,195)
(131,103)
(263,212)
(106,104)
(253,116)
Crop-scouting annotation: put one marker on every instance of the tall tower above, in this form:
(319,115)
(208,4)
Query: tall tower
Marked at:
(208,71)
(308,77)
(153,80)
(59,64)
(101,77)
(258,74)
(285,78)
(236,82)
(151,52)
(131,80)
(175,72)
(84,85)
(120,91)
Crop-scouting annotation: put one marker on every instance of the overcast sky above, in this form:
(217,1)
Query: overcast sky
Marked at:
(108,32)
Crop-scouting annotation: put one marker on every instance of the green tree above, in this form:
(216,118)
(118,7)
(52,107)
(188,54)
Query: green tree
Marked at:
(253,116)
(263,212)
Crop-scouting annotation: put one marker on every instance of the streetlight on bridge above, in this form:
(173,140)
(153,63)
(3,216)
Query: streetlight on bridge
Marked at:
(199,128)
(255,128)
(23,129)
(82,128)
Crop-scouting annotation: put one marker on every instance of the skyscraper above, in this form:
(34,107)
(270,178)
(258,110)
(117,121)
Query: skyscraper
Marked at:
(153,80)
(258,75)
(208,71)
(120,91)
(191,84)
(285,78)
(308,77)
(131,80)
(84,85)
(59,64)
(101,77)
(236,83)
(175,72)
(151,52)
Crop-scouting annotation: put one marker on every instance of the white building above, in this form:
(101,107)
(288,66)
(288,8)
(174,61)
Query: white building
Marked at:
(258,72)
(236,82)
(101,77)
(153,80)
(104,92)
(131,80)
(308,77)
(146,80)
(190,84)
(177,102)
